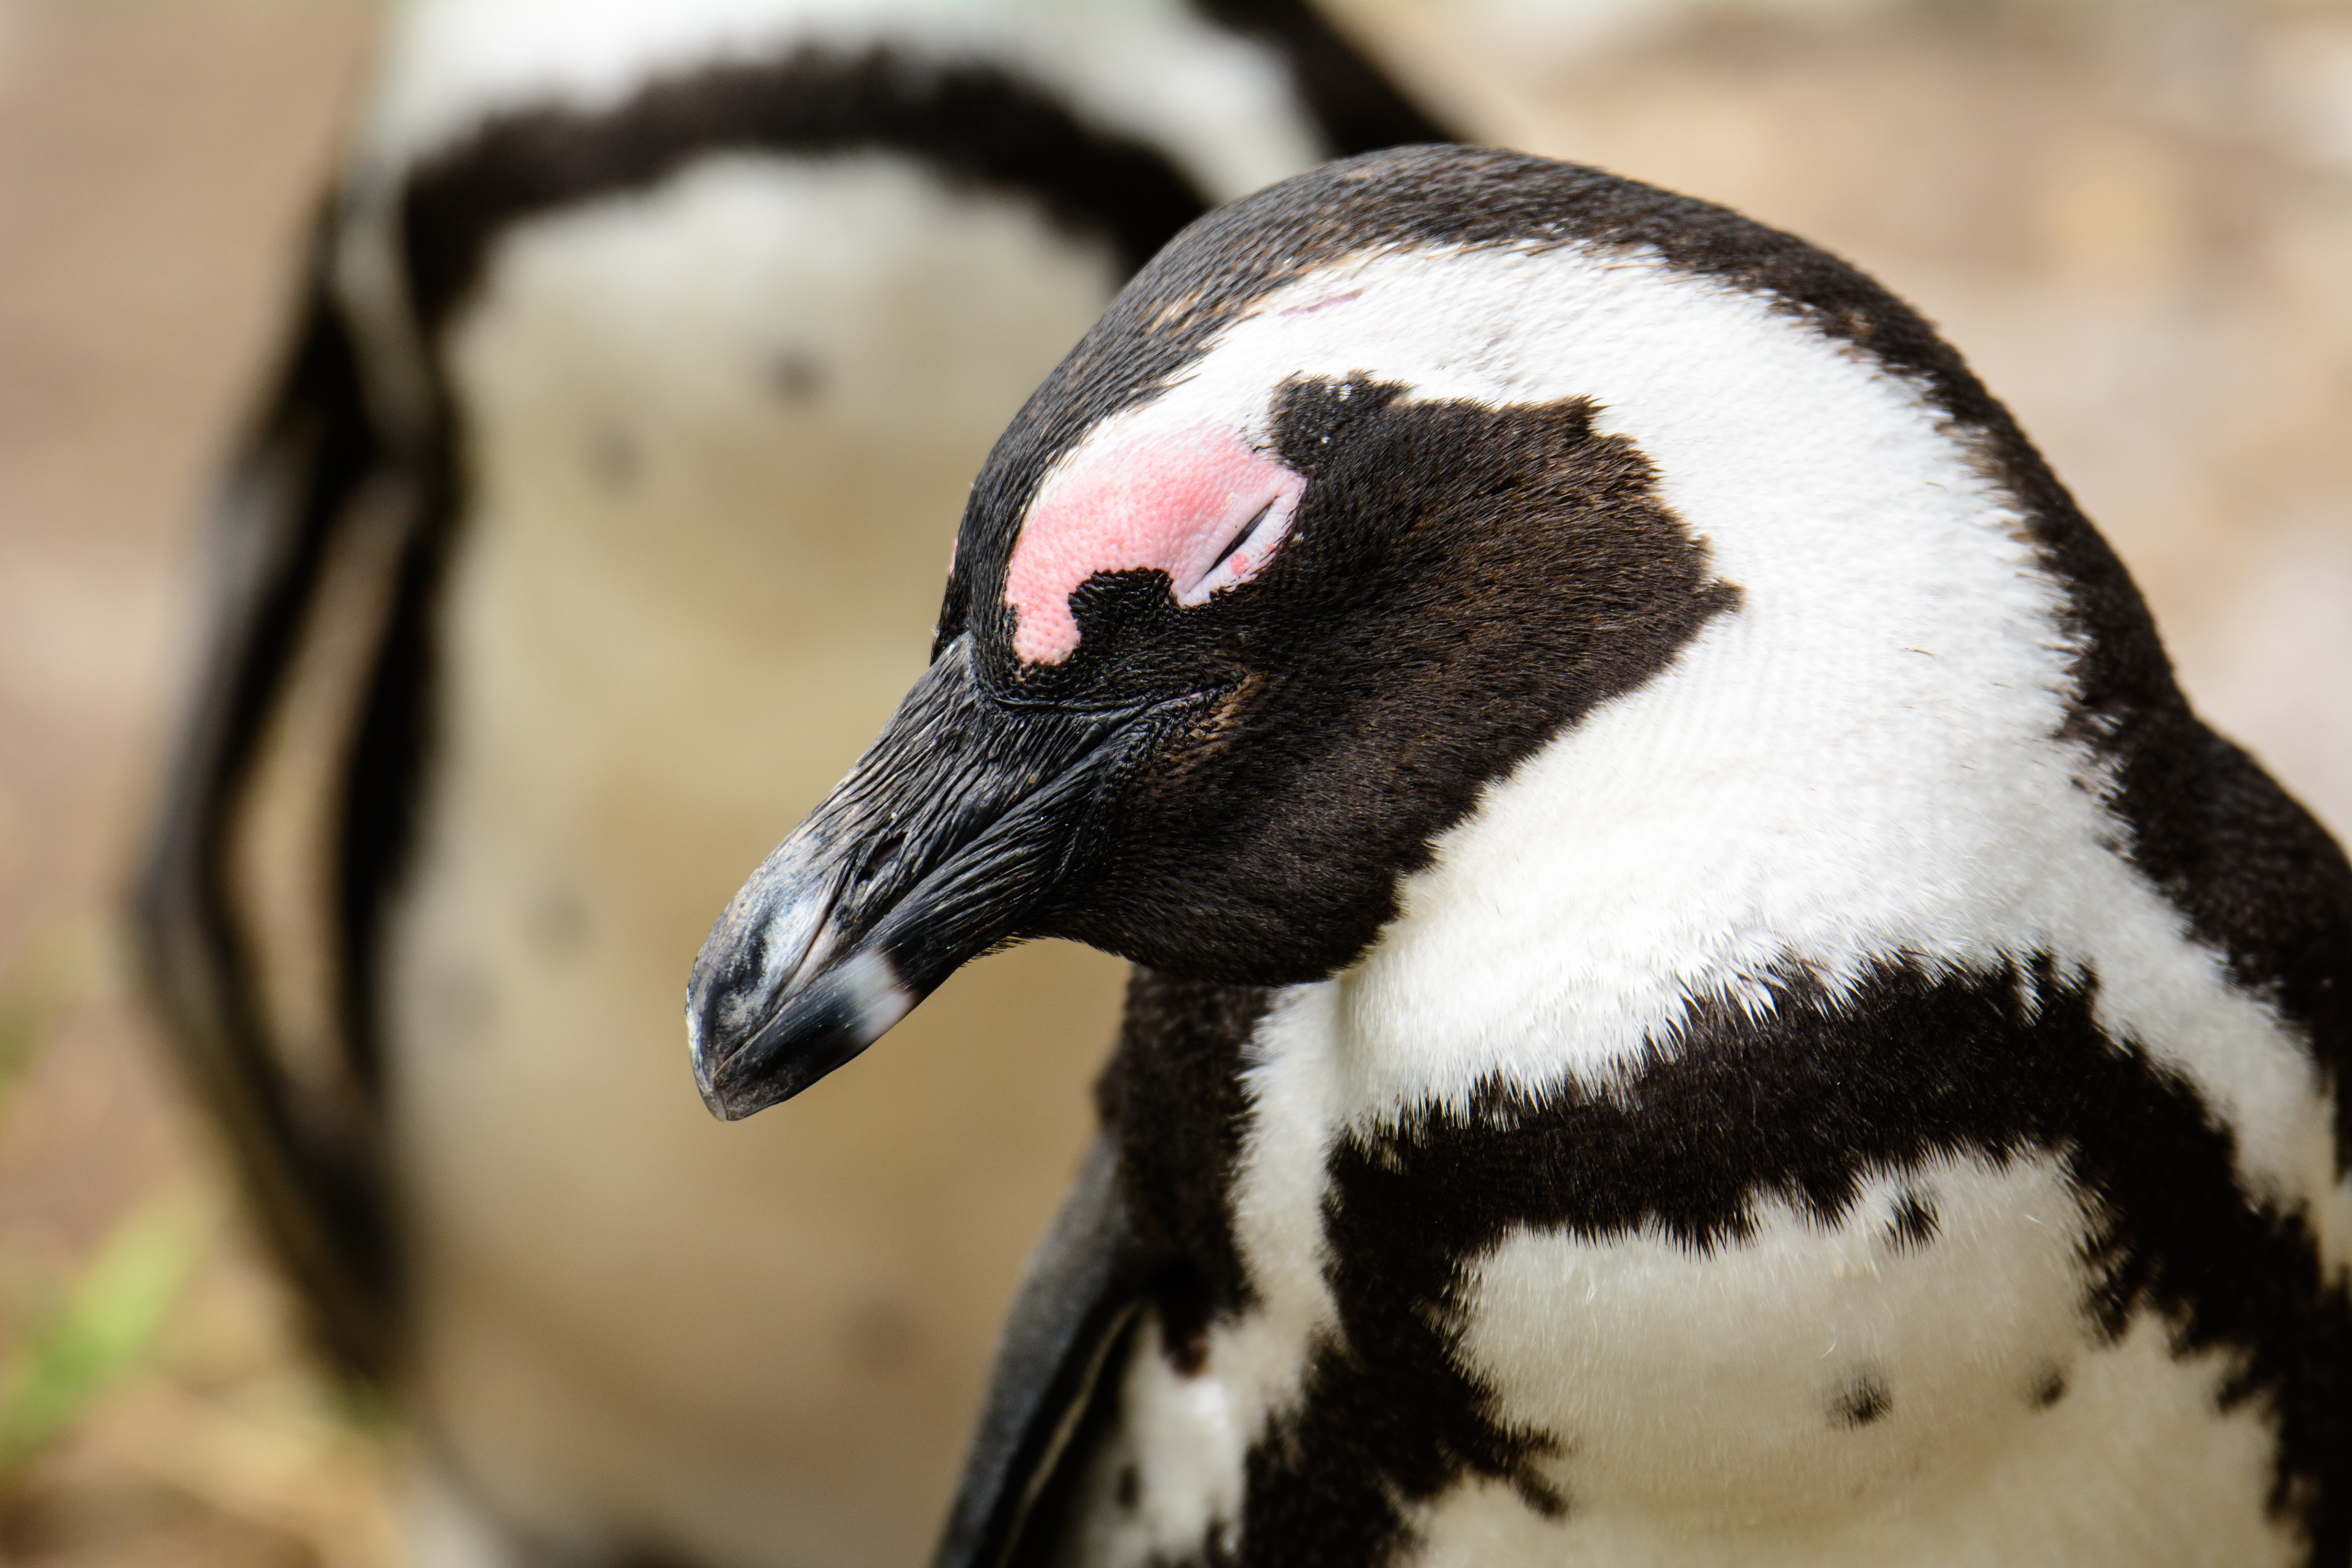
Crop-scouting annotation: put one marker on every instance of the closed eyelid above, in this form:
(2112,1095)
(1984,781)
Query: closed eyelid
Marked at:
(1267,528)
(1249,528)
(1241,537)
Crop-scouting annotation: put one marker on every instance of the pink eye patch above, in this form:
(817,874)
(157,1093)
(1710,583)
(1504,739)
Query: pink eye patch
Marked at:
(1200,506)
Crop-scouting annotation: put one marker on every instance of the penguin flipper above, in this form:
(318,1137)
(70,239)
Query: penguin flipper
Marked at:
(1073,1311)
(307,1161)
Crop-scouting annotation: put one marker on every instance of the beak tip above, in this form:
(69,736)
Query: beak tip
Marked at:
(821,1027)
(715,1099)
(939,844)
(721,1056)
(733,1107)
(706,1068)
(732,1084)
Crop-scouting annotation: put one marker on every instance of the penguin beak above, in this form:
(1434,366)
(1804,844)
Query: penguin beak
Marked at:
(940,844)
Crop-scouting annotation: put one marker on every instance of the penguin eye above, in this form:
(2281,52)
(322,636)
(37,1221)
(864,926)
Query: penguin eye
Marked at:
(1246,552)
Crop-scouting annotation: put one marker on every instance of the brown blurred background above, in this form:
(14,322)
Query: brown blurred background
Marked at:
(2134,219)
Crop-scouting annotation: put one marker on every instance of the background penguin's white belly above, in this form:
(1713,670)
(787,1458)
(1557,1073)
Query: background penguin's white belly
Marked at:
(680,604)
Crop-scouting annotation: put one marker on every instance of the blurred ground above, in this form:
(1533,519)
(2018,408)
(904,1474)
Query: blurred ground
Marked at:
(154,164)
(2134,219)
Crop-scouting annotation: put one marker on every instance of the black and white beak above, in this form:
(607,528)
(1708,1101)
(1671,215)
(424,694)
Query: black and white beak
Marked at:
(943,842)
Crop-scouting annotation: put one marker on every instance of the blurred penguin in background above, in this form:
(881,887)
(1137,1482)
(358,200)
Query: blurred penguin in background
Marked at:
(645,345)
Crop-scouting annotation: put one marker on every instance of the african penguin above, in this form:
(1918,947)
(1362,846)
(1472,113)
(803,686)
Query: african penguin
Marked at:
(1703,999)
(644,342)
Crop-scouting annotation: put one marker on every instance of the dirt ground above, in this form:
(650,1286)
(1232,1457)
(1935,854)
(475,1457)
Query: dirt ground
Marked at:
(2134,219)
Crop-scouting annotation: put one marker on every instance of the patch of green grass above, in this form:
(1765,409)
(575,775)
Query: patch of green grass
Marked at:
(90,1332)
(104,1327)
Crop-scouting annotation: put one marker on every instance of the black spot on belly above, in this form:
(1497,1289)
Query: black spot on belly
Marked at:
(794,377)
(2048,1389)
(614,460)
(1914,1224)
(1130,1487)
(557,923)
(880,1336)
(1540,1495)
(1862,1401)
(460,1003)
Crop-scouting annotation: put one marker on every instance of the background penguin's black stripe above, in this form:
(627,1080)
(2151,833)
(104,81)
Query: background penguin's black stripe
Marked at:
(1802,1106)
(389,753)
(973,122)
(1360,111)
(316,1189)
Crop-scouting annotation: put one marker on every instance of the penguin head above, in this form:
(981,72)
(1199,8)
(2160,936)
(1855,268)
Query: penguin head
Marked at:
(1318,533)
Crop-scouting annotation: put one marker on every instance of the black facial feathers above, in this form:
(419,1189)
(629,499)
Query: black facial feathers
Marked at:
(1460,583)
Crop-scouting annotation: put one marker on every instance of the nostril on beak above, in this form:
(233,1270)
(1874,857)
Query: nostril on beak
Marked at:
(880,857)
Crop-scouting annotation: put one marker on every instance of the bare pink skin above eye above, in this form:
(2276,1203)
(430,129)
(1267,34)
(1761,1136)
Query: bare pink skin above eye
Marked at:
(1175,502)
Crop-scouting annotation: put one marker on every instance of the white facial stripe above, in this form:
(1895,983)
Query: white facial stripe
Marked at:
(1859,762)
(1446,325)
